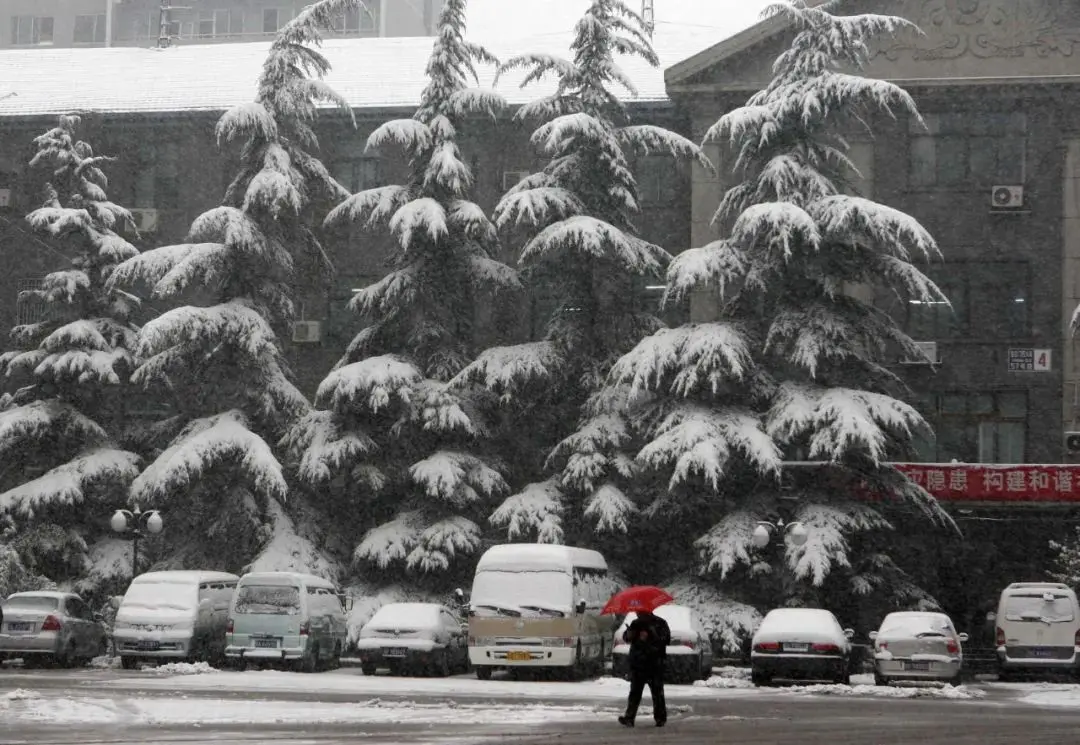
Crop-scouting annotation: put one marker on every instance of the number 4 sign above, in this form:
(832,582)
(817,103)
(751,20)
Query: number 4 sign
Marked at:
(1042,360)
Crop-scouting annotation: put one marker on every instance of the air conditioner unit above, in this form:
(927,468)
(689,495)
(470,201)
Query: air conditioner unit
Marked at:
(5,197)
(306,332)
(928,354)
(511,178)
(1007,197)
(146,220)
(1072,442)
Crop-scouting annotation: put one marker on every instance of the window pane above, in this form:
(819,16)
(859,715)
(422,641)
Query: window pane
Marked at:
(1012,405)
(45,30)
(954,403)
(952,160)
(925,448)
(236,22)
(1011,154)
(84,29)
(206,27)
(923,164)
(957,440)
(270,20)
(982,403)
(368,173)
(984,161)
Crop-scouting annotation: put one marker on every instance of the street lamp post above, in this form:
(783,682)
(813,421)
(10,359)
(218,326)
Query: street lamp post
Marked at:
(135,522)
(794,531)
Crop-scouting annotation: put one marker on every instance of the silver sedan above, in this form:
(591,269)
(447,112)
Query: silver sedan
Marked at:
(914,645)
(51,627)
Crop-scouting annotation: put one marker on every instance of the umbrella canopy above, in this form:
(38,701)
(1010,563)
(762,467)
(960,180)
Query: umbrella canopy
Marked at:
(638,599)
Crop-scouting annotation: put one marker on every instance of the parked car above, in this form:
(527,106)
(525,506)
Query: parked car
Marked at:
(801,644)
(690,654)
(287,617)
(173,616)
(420,637)
(53,627)
(912,645)
(1038,629)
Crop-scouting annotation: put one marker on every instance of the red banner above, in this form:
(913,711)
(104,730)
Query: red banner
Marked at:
(958,482)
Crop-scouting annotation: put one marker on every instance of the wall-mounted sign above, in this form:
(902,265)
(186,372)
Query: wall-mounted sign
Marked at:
(1029,360)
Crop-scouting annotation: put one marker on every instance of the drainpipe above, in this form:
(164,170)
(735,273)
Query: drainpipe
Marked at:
(382,18)
(109,22)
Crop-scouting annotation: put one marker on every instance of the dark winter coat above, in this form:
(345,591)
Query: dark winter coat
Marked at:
(648,636)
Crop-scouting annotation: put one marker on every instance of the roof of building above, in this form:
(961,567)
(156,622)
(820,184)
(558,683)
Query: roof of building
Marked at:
(371,73)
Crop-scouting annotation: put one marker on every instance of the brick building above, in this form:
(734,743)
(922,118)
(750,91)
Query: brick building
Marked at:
(37,24)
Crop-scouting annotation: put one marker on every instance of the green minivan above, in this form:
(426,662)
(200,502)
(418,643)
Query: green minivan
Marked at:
(286,618)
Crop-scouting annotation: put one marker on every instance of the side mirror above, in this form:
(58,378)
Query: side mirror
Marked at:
(849,633)
(459,595)
(581,606)
(872,635)
(963,638)
(991,617)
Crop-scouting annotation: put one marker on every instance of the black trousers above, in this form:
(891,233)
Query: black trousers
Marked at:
(654,679)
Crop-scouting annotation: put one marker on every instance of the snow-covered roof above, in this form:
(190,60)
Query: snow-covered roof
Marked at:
(781,620)
(286,577)
(525,557)
(678,618)
(406,615)
(371,73)
(54,594)
(179,576)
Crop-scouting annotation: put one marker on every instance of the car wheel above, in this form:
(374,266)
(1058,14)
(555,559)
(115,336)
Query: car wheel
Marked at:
(309,663)
(957,680)
(842,678)
(760,679)
(67,657)
(103,649)
(483,673)
(880,680)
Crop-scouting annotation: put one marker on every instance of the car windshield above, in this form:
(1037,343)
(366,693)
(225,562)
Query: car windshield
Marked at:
(31,602)
(277,600)
(916,625)
(498,593)
(162,595)
(1037,608)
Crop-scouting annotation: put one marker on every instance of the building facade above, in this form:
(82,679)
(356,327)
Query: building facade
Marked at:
(35,24)
(991,172)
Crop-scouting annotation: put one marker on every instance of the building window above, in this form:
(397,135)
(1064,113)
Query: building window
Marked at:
(364,19)
(90,29)
(271,21)
(30,308)
(973,149)
(658,179)
(989,300)
(27,30)
(982,427)
(357,174)
(220,23)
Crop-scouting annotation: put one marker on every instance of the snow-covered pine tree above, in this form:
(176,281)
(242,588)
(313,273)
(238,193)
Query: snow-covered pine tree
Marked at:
(63,467)
(811,356)
(583,244)
(412,449)
(217,358)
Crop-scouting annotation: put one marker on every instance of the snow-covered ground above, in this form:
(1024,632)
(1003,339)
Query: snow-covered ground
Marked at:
(1043,694)
(21,706)
(729,678)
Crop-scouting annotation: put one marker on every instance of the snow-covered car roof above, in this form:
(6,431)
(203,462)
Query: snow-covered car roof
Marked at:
(406,616)
(678,617)
(275,578)
(182,576)
(798,619)
(54,594)
(539,557)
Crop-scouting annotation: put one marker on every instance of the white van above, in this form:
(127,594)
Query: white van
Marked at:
(1038,629)
(177,615)
(282,617)
(538,606)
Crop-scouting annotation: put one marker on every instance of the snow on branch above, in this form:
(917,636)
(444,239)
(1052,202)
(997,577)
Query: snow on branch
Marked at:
(469,218)
(390,542)
(733,621)
(446,411)
(424,215)
(72,482)
(698,441)
(556,136)
(506,370)
(458,479)
(648,139)
(776,226)
(534,512)
(728,544)
(486,273)
(57,221)
(596,238)
(536,206)
(610,509)
(439,544)
(686,360)
(30,426)
(374,383)
(592,450)
(238,230)
(369,207)
(472,101)
(397,289)
(220,445)
(840,421)
(85,366)
(537,67)
(250,120)
(411,134)
(826,546)
(170,269)
(325,447)
(855,220)
(233,323)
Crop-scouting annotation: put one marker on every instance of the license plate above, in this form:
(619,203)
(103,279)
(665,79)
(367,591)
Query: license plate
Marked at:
(796,647)
(266,643)
(14,626)
(395,652)
(518,656)
(1042,652)
(149,645)
(917,666)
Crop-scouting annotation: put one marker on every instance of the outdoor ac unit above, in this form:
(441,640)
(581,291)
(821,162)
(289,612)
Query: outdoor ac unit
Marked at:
(307,332)
(1072,442)
(1007,197)
(146,220)
(928,354)
(510,178)
(5,197)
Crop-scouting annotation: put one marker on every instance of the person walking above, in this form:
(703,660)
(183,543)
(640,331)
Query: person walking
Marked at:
(648,636)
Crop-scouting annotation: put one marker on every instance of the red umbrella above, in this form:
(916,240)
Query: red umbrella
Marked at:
(636,600)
